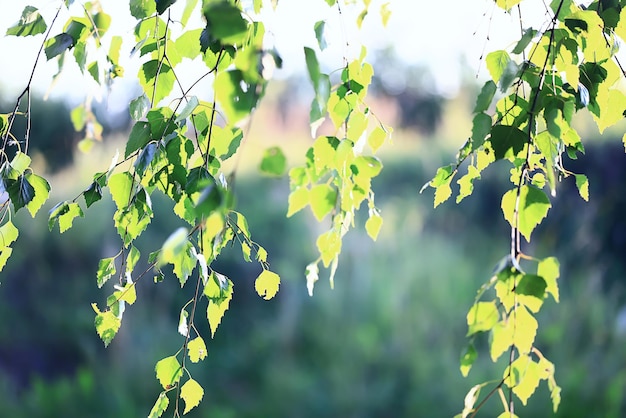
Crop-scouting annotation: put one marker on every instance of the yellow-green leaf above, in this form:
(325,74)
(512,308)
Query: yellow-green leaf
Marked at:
(298,199)
(376,138)
(322,199)
(191,392)
(216,310)
(42,190)
(373,225)
(482,316)
(107,324)
(160,406)
(196,349)
(501,339)
(507,4)
(525,329)
(168,371)
(266,284)
(329,246)
(548,268)
(533,207)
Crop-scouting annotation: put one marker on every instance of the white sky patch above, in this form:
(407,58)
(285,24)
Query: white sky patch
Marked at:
(440,35)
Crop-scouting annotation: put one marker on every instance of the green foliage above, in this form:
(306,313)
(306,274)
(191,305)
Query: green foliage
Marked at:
(179,142)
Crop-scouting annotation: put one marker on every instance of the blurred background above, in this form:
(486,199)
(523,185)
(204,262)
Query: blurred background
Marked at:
(385,342)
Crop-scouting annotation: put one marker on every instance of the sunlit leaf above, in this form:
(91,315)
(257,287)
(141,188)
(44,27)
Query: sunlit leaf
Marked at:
(322,199)
(138,138)
(216,310)
(196,349)
(482,316)
(266,284)
(525,329)
(467,359)
(168,371)
(31,23)
(548,268)
(106,270)
(20,191)
(141,9)
(501,338)
(191,392)
(226,23)
(298,199)
(533,208)
(507,141)
(67,218)
(160,406)
(41,189)
(107,324)
(373,225)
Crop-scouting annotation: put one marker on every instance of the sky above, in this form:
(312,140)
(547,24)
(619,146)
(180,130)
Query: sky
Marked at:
(440,35)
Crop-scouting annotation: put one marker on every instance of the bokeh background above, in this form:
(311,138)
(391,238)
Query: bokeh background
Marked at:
(386,341)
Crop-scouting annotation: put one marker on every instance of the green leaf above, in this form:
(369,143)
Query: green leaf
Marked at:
(190,106)
(8,234)
(20,191)
(92,194)
(121,185)
(319,34)
(523,377)
(58,210)
(160,406)
(548,269)
(298,199)
(107,324)
(468,357)
(67,218)
(497,62)
(138,138)
(507,141)
(528,36)
(141,9)
(139,107)
(146,157)
(533,207)
(323,198)
(189,6)
(236,102)
(42,190)
(196,349)
(482,316)
(168,371)
(266,284)
(192,394)
(58,45)
(174,246)
(466,183)
(148,77)
(582,183)
(225,22)
(163,5)
(106,270)
(31,23)
(209,200)
(531,285)
(373,225)
(484,99)
(274,162)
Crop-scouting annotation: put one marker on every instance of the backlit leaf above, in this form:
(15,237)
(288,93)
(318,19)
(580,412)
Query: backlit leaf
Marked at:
(226,22)
(484,99)
(191,392)
(373,225)
(58,210)
(8,234)
(533,207)
(322,199)
(168,371)
(107,324)
(298,199)
(106,270)
(507,4)
(319,34)
(501,338)
(582,183)
(525,329)
(266,284)
(507,141)
(216,310)
(160,406)
(196,349)
(31,23)
(482,316)
(531,285)
(141,9)
(20,191)
(120,186)
(42,190)
(548,268)
(467,359)
(67,219)
(497,62)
